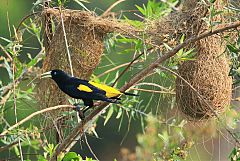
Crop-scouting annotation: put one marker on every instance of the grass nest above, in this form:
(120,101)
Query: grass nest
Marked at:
(209,76)
(85,34)
(208,72)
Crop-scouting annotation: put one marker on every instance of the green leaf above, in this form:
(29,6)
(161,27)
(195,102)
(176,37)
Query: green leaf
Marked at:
(142,10)
(189,52)
(82,5)
(217,13)
(238,41)
(164,136)
(89,159)
(16,150)
(109,115)
(135,23)
(119,114)
(41,158)
(232,48)
(212,1)
(71,156)
(32,63)
(167,46)
(50,149)
(7,40)
(234,155)
(182,38)
(8,68)
(29,56)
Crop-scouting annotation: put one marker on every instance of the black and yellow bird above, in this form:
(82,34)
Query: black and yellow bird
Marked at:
(84,89)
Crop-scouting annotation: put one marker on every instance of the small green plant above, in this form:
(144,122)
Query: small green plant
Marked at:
(235,154)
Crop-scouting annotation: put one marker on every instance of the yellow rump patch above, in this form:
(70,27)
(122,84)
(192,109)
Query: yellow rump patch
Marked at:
(110,91)
(82,87)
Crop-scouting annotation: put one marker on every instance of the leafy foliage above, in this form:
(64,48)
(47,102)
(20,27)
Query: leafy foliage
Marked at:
(166,142)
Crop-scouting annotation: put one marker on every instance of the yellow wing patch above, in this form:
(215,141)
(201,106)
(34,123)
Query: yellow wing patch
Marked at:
(82,87)
(110,91)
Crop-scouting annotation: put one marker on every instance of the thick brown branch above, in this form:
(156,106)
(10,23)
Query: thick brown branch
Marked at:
(79,130)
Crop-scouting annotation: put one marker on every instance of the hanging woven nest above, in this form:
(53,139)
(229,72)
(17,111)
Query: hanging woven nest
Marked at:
(85,33)
(208,73)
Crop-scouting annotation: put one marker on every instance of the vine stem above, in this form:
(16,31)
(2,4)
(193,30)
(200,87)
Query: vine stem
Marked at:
(15,100)
(66,42)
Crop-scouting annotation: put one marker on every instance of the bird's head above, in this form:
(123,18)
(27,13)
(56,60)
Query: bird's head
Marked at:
(57,75)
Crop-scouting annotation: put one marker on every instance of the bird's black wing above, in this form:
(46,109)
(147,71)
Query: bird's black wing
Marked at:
(84,85)
(88,102)
(90,92)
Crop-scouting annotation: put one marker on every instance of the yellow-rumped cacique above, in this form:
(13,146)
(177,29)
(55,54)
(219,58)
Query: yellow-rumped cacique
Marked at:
(84,89)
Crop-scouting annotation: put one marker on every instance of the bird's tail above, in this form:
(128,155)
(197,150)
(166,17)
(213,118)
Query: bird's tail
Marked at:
(130,94)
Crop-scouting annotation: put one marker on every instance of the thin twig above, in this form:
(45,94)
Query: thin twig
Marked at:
(89,147)
(153,84)
(15,100)
(153,91)
(67,48)
(8,89)
(111,7)
(130,64)
(135,110)
(115,68)
(6,53)
(66,42)
(24,18)
(81,127)
(35,114)
(9,28)
(170,4)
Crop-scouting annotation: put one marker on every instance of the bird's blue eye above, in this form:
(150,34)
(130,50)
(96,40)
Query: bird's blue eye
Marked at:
(54,73)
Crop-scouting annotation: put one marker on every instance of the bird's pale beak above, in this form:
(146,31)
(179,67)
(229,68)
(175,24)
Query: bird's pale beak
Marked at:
(46,75)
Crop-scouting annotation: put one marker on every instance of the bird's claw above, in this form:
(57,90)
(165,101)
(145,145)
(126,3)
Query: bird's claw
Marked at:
(79,110)
(81,115)
(77,106)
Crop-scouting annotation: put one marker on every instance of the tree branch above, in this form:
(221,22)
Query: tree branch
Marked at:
(81,128)
(34,114)
(130,64)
